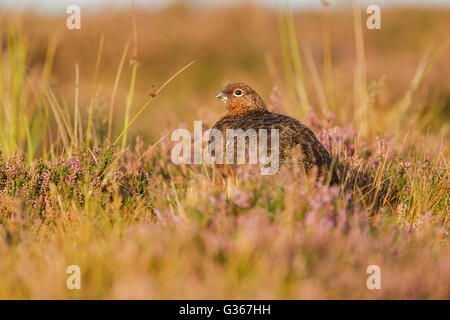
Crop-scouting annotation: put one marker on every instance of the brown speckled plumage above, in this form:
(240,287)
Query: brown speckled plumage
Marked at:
(249,111)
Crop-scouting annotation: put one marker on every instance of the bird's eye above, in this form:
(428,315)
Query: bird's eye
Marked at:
(238,93)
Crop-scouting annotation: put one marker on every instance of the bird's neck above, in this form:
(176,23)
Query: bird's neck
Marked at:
(243,111)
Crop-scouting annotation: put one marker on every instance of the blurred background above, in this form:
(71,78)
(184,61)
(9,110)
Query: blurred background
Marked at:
(320,64)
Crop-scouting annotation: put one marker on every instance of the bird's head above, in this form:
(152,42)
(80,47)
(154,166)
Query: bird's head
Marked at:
(240,99)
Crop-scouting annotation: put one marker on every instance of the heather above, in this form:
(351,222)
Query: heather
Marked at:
(150,229)
(78,187)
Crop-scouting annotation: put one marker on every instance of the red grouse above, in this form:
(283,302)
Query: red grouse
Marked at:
(247,110)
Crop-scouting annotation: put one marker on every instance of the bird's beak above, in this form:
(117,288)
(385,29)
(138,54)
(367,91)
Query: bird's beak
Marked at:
(222,97)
